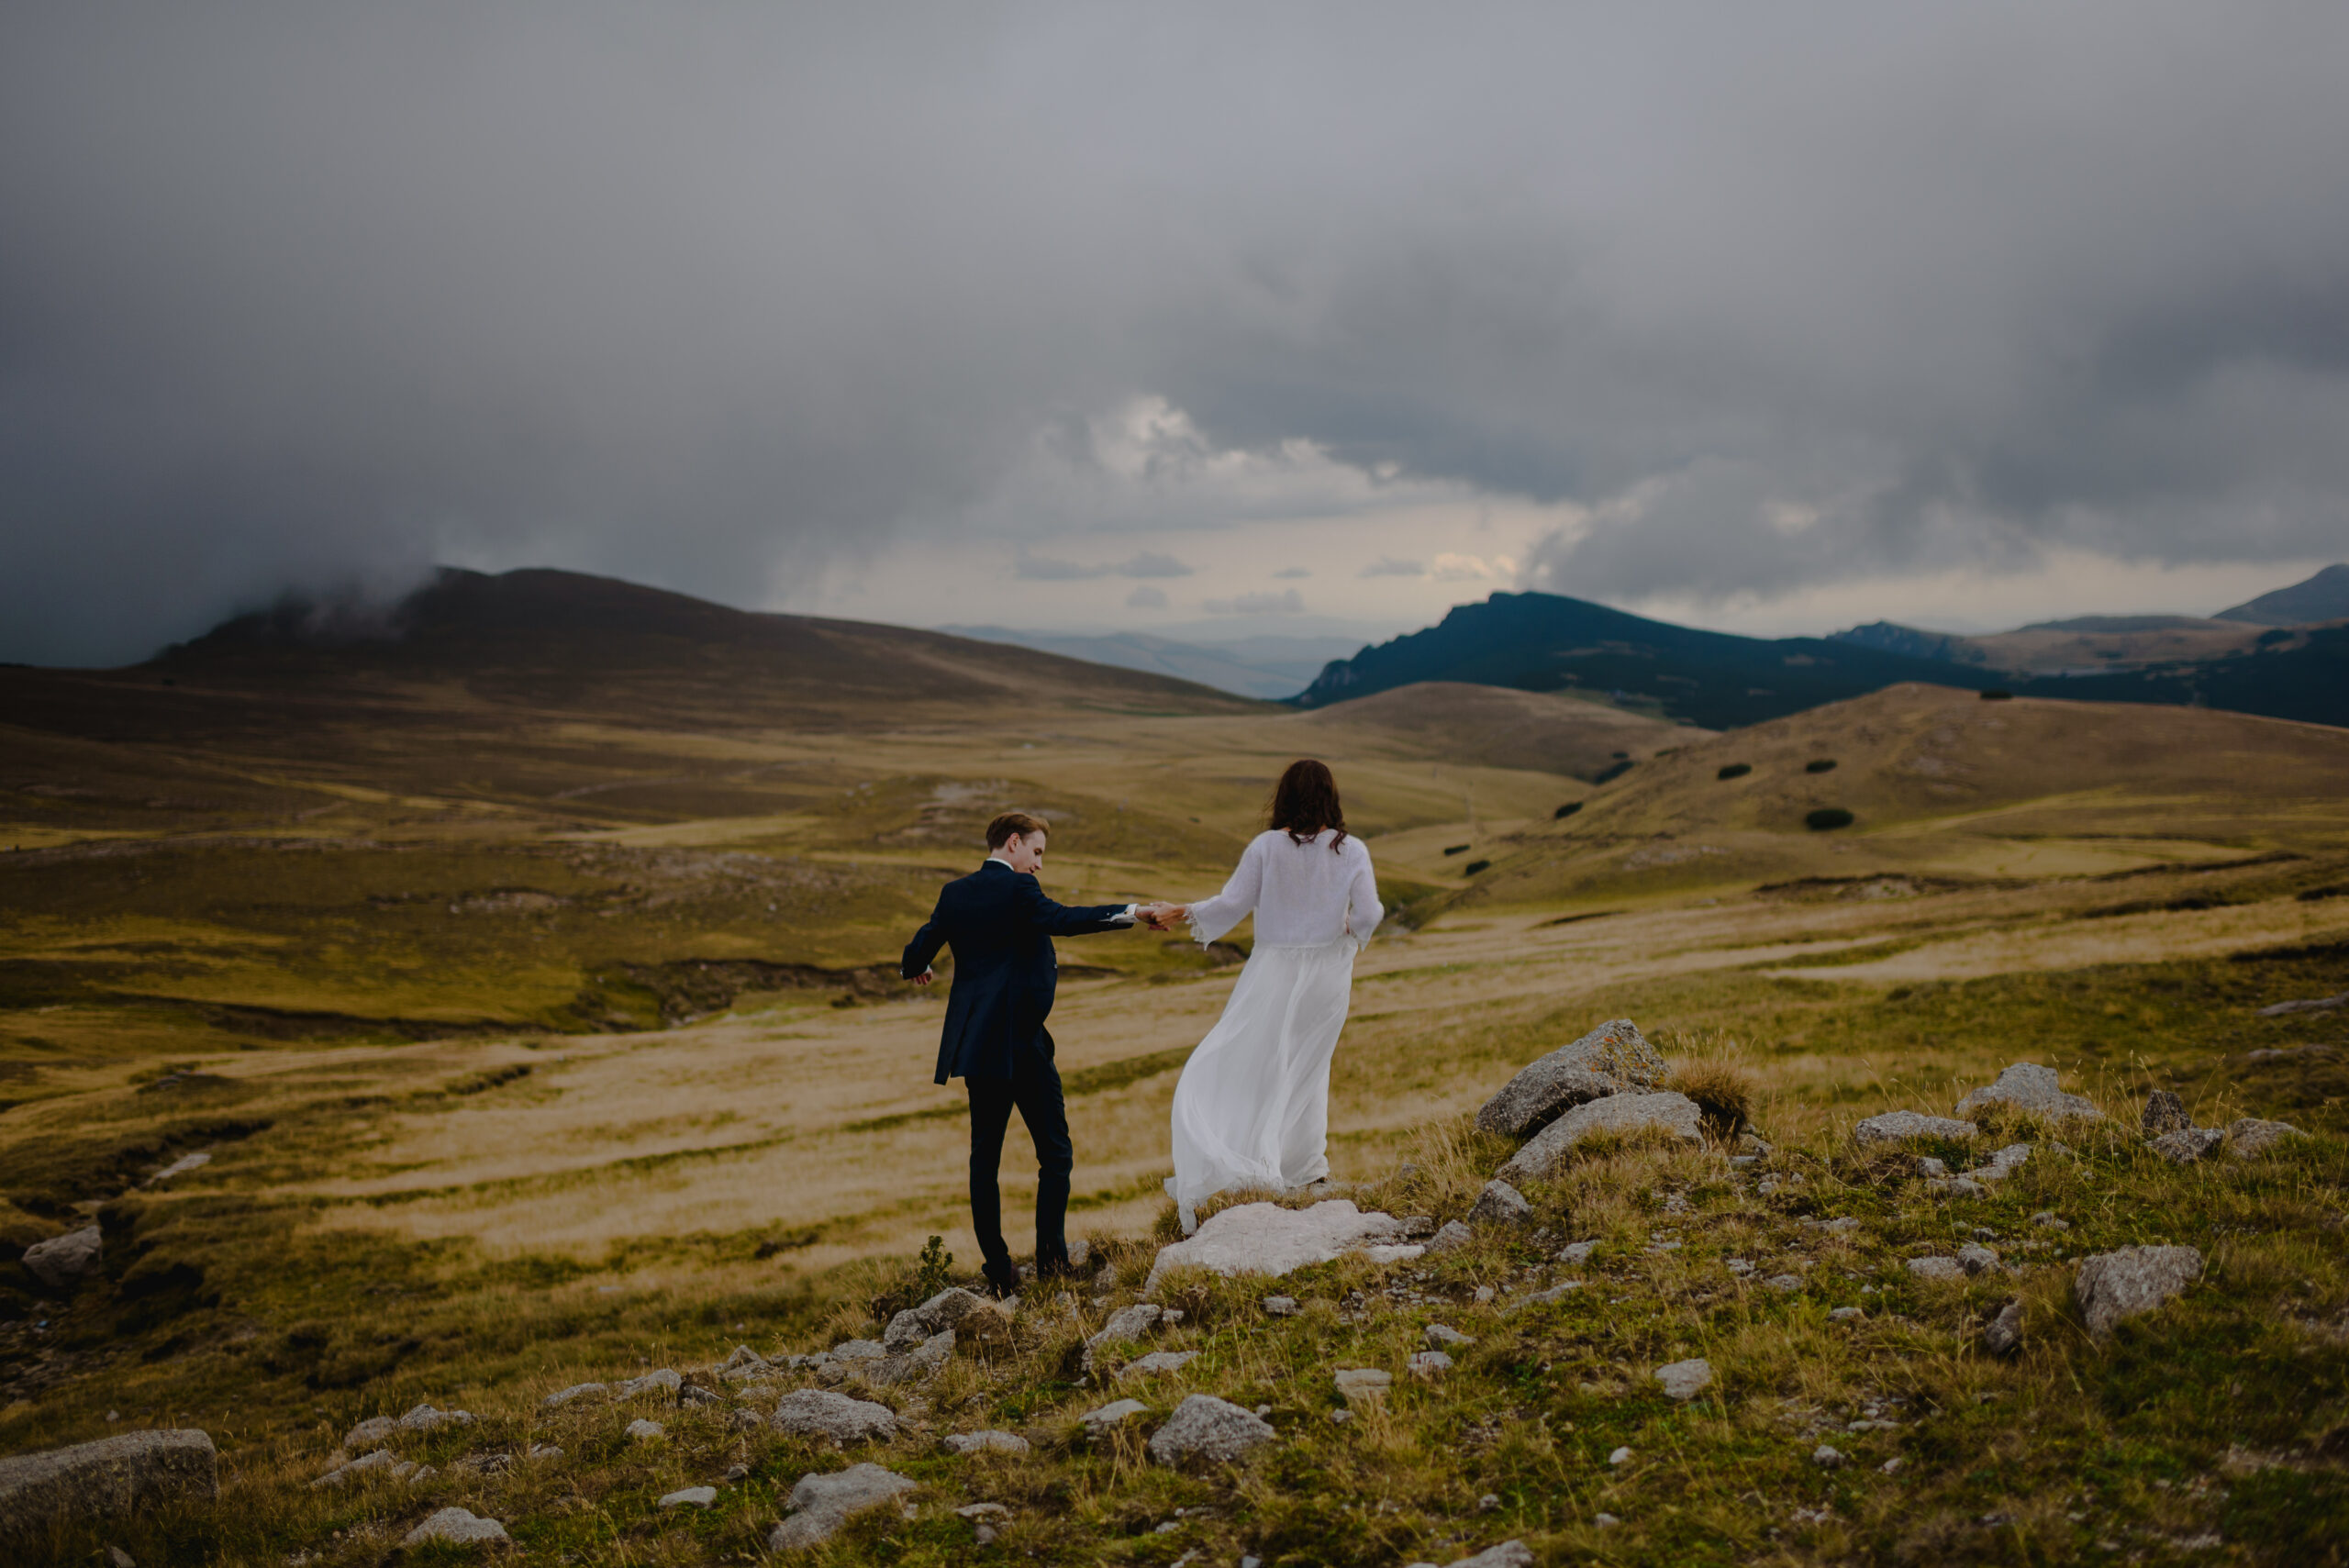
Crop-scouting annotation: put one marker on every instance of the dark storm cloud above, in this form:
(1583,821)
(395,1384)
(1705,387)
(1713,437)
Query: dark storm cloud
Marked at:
(712,296)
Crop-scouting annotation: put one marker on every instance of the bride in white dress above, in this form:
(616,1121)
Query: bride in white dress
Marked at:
(1253,1106)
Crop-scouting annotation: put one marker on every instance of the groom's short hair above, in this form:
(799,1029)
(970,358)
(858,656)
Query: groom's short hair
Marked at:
(1001,831)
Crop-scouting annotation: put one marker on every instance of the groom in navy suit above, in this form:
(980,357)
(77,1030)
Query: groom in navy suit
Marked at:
(1000,927)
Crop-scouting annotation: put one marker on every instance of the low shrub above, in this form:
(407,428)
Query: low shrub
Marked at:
(1826,818)
(1734,771)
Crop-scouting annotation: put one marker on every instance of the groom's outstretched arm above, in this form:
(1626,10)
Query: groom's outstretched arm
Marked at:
(1070,919)
(915,964)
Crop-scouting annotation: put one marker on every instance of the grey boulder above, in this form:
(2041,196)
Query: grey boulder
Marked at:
(821,1504)
(1686,1380)
(1499,1203)
(1125,1326)
(461,1527)
(920,1361)
(2112,1285)
(2248,1137)
(1893,1127)
(1613,1059)
(2186,1145)
(102,1480)
(2027,1087)
(1675,1116)
(821,1413)
(2003,1334)
(2164,1112)
(60,1260)
(1203,1426)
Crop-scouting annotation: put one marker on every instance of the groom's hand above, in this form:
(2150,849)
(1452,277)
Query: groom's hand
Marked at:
(924,978)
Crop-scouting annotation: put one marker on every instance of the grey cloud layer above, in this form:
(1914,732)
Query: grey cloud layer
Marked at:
(713,295)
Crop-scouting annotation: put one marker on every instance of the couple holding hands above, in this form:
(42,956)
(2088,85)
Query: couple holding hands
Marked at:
(1251,1108)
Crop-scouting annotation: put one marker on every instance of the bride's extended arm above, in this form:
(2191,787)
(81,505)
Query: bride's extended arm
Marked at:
(1211,918)
(1363,911)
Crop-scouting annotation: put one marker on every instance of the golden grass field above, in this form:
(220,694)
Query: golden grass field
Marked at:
(571,1006)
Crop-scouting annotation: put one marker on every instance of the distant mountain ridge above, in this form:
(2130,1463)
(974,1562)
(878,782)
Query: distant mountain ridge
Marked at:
(2322,597)
(1254,667)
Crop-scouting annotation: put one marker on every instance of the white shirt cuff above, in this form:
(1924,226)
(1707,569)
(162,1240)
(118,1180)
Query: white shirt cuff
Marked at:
(1128,917)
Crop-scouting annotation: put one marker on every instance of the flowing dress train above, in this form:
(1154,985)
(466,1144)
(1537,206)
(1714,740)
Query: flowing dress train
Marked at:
(1253,1106)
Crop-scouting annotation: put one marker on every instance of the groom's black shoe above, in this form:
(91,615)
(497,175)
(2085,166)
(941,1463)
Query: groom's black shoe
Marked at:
(1002,1283)
(1054,1266)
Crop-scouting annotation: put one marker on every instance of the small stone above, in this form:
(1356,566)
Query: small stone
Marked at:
(1846,1315)
(691,1497)
(2248,1137)
(665,1381)
(1605,1521)
(645,1431)
(1957,1186)
(1784,1283)
(1620,1456)
(2051,1221)
(545,1452)
(2186,1145)
(1685,1379)
(1099,1421)
(1928,1165)
(561,1396)
(2003,1163)
(62,1261)
(859,1351)
(1428,1365)
(118,1557)
(1125,1326)
(1484,1294)
(1454,1234)
(2003,1334)
(1203,1426)
(821,1413)
(2164,1112)
(1281,1307)
(1418,1225)
(1499,1203)
(1363,1382)
(1893,1127)
(1490,1503)
(1158,1360)
(2125,1283)
(1507,1554)
(1556,1293)
(1975,1258)
(425,1419)
(987,1442)
(1891,1466)
(821,1504)
(1827,1458)
(920,1361)
(381,1459)
(2027,1087)
(1936,1268)
(460,1526)
(1437,1336)
(983,1511)
(1580,1252)
(905,1330)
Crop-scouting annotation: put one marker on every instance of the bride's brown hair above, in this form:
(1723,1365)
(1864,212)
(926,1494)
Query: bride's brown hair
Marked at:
(1305,801)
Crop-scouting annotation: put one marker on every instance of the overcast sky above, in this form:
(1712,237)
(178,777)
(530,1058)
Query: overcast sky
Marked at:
(1768,317)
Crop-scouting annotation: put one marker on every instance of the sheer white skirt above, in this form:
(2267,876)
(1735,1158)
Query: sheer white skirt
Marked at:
(1251,1108)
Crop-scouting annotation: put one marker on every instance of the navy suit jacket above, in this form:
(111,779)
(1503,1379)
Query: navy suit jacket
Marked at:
(1001,926)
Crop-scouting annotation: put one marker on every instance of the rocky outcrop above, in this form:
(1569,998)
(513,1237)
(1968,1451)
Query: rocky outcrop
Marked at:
(102,1480)
(2114,1286)
(1613,1059)
(1674,1116)
(821,1504)
(1266,1239)
(2027,1087)
(1206,1428)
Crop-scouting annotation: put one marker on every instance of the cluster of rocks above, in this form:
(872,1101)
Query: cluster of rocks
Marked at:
(1609,1082)
(108,1479)
(2170,1132)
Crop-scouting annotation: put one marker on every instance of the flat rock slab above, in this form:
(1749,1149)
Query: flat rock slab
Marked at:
(1203,1426)
(665,1381)
(821,1504)
(60,1260)
(461,1527)
(1266,1239)
(1613,1059)
(691,1497)
(987,1442)
(1443,1337)
(644,1431)
(1428,1365)
(1675,1116)
(2112,1285)
(1158,1360)
(2027,1087)
(1893,1127)
(1363,1382)
(1686,1380)
(102,1480)
(821,1413)
(1936,1268)
(1507,1554)
(1127,1325)
(2248,1137)
(1100,1421)
(563,1396)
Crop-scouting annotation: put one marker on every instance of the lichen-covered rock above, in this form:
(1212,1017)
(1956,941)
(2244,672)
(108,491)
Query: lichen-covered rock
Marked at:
(1507,1554)
(1452,1234)
(1203,1426)
(1125,1326)
(922,1360)
(1499,1203)
(1893,1127)
(1443,1336)
(1427,1365)
(1364,1384)
(1612,1059)
(554,1401)
(859,1351)
(1099,1421)
(2122,1284)
(1157,1361)
(2002,1164)
(1686,1380)
(1976,1258)
(690,1497)
(1674,1114)
(61,1262)
(821,1413)
(2186,1145)
(821,1504)
(2027,1087)
(102,1480)
(1266,1239)
(905,1330)
(460,1527)
(2248,1137)
(643,1431)
(2164,1112)
(987,1442)
(665,1381)
(1936,1268)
